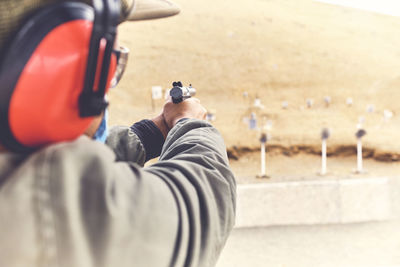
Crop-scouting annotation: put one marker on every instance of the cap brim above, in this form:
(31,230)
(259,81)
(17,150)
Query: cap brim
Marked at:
(152,9)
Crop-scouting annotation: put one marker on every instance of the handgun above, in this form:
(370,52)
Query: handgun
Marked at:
(179,92)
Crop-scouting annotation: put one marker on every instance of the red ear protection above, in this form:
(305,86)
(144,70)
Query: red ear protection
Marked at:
(43,74)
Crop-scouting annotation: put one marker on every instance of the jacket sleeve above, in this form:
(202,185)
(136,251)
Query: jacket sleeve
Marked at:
(126,145)
(176,212)
(194,165)
(139,143)
(192,184)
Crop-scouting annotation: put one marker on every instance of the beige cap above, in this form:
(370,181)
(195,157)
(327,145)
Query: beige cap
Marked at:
(151,9)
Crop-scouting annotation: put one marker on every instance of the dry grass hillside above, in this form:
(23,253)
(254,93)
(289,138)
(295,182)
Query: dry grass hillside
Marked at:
(280,50)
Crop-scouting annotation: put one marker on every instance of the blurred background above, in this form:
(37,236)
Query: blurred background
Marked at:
(295,67)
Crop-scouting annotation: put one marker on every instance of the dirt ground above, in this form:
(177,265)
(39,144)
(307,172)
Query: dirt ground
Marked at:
(277,50)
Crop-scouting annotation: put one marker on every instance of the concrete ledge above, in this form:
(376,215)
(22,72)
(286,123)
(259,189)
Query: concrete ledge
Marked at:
(314,202)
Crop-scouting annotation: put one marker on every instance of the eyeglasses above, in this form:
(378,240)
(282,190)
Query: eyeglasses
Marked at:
(122,54)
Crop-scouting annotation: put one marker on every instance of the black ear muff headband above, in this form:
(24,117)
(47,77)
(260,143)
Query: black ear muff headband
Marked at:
(91,102)
(30,46)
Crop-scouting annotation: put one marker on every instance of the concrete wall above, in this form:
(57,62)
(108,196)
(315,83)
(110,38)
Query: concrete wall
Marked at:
(318,202)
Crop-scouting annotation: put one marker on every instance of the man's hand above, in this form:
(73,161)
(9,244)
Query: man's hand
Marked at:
(172,113)
(190,108)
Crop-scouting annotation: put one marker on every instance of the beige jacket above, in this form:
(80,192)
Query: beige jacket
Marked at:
(83,204)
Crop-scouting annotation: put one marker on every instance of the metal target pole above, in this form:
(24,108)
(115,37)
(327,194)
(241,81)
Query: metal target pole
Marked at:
(324,160)
(324,136)
(263,159)
(263,140)
(359,156)
(359,134)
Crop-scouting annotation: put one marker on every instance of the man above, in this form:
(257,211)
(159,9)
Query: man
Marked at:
(69,200)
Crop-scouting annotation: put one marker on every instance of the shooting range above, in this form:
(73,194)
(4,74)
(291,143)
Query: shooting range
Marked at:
(310,65)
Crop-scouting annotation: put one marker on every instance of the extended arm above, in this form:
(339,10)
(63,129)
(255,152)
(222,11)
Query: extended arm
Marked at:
(177,212)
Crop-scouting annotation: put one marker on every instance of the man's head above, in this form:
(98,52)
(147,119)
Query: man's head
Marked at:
(56,64)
